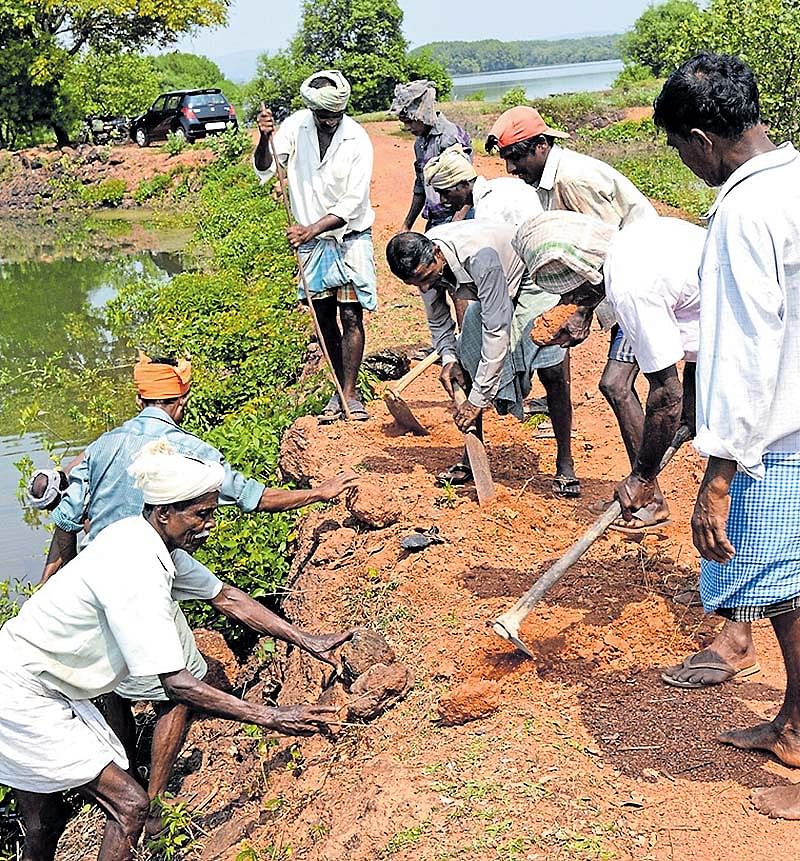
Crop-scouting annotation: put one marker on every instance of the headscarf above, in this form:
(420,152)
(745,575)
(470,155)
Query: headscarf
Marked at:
(156,382)
(563,250)
(520,124)
(415,101)
(332,97)
(52,490)
(449,168)
(165,476)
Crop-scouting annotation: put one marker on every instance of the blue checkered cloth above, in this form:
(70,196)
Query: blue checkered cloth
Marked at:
(620,348)
(764,528)
(343,269)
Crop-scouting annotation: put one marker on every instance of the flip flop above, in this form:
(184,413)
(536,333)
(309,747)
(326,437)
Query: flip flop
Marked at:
(693,663)
(357,411)
(457,474)
(544,430)
(567,486)
(642,521)
(331,412)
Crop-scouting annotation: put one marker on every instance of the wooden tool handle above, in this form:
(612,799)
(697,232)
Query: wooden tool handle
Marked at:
(412,375)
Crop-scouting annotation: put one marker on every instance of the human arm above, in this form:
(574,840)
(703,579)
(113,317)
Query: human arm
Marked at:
(461,214)
(277,499)
(710,516)
(63,548)
(661,421)
(575,329)
(297,234)
(182,687)
(262,157)
(238,605)
(69,516)
(417,205)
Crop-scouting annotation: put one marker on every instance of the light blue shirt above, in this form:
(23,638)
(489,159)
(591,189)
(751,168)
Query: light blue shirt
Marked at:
(101,490)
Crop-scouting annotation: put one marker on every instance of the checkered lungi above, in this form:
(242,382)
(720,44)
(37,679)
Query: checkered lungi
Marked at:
(523,355)
(763,578)
(344,270)
(620,348)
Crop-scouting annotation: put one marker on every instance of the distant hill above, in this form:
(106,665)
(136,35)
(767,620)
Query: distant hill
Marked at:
(491,55)
(239,66)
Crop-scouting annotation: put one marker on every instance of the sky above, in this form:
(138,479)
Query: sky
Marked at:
(265,25)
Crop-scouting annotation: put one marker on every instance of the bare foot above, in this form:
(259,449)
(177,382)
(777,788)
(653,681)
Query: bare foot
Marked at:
(778,802)
(776,736)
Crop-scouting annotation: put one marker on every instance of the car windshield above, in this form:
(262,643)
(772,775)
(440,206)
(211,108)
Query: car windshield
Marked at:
(203,100)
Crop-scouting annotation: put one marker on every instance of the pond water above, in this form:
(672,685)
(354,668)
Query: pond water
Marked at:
(540,81)
(50,306)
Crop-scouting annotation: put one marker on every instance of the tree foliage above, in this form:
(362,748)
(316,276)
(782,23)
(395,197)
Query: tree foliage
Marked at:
(491,55)
(181,71)
(651,42)
(102,83)
(361,38)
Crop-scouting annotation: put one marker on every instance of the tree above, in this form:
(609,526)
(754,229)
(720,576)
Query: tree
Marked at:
(102,83)
(766,35)
(361,38)
(652,40)
(182,71)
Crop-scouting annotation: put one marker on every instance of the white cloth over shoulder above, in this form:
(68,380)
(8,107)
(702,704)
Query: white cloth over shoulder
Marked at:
(748,365)
(652,282)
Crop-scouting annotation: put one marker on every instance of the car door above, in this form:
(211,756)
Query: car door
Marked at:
(168,115)
(154,117)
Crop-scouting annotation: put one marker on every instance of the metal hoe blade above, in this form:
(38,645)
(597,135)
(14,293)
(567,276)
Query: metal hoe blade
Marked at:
(402,414)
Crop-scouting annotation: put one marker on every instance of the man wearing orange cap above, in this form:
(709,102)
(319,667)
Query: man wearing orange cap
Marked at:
(101,491)
(565,179)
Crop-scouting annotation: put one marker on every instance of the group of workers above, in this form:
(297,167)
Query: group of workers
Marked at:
(710,317)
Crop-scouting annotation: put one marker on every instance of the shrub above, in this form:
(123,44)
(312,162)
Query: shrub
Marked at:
(174,144)
(231,145)
(109,192)
(156,186)
(632,75)
(477,96)
(624,131)
(512,98)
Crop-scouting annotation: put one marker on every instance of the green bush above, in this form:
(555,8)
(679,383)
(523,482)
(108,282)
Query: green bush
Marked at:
(624,131)
(109,192)
(174,144)
(231,145)
(477,96)
(632,75)
(512,98)
(154,187)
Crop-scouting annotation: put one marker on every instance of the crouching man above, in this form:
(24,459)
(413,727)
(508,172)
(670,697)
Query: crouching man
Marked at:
(107,615)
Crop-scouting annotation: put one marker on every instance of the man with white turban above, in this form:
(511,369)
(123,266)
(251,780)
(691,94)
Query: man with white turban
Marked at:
(101,491)
(415,106)
(108,614)
(328,160)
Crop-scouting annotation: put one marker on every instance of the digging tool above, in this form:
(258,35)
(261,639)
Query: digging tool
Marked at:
(398,407)
(507,625)
(478,461)
(309,302)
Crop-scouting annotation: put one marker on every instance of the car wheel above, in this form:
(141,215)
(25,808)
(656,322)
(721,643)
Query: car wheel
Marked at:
(180,133)
(141,137)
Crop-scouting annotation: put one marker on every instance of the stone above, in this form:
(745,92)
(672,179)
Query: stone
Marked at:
(373,506)
(334,544)
(550,322)
(471,700)
(364,650)
(223,667)
(378,689)
(298,461)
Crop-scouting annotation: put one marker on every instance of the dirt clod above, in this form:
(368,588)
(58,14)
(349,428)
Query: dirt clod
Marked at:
(550,322)
(366,649)
(373,506)
(471,700)
(297,462)
(333,545)
(223,668)
(378,689)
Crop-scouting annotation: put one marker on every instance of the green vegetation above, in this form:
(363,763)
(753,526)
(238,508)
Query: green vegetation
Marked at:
(513,97)
(651,42)
(489,55)
(178,832)
(108,192)
(362,38)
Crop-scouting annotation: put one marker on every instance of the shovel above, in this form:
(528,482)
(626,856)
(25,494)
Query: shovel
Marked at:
(507,625)
(398,407)
(476,453)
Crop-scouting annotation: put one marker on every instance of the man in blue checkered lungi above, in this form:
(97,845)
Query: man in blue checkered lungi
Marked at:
(746,522)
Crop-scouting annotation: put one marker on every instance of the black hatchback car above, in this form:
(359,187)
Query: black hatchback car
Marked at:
(190,114)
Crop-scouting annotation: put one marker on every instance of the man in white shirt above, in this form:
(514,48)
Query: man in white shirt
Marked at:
(328,160)
(505,200)
(109,614)
(475,261)
(648,272)
(746,523)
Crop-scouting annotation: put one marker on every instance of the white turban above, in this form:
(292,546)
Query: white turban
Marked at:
(331,97)
(51,492)
(165,476)
(449,168)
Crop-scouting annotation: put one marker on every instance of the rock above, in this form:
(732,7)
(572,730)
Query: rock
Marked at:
(297,460)
(335,695)
(550,322)
(363,651)
(373,505)
(223,667)
(378,689)
(471,700)
(334,544)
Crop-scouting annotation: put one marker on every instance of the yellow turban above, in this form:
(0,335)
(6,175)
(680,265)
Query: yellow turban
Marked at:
(449,168)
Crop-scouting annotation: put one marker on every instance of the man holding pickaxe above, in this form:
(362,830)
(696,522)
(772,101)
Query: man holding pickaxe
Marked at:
(328,159)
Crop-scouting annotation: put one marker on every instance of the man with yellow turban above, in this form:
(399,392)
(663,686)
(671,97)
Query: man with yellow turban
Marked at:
(94,624)
(328,161)
(102,491)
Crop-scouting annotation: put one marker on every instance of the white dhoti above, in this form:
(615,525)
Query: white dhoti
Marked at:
(49,743)
(149,687)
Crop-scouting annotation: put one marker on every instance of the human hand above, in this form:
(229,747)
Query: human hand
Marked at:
(466,415)
(297,234)
(320,645)
(634,493)
(336,486)
(710,520)
(575,330)
(450,373)
(265,121)
(297,720)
